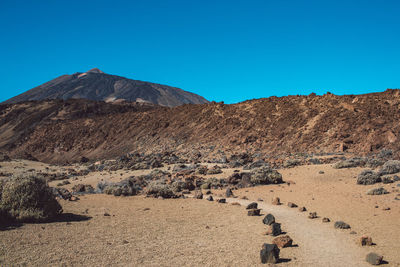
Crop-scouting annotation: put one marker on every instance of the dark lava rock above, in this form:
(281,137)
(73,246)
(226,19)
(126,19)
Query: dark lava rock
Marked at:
(229,192)
(274,229)
(252,205)
(210,198)
(253,212)
(269,219)
(341,225)
(221,200)
(374,259)
(269,253)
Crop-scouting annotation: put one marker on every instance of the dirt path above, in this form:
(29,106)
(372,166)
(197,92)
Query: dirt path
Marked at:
(320,244)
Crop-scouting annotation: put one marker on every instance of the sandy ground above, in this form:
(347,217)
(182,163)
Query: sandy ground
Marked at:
(201,233)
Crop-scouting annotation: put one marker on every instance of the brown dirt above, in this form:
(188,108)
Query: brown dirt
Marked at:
(54,131)
(175,232)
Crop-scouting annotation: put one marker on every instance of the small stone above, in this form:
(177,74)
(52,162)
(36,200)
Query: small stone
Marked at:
(198,195)
(366,241)
(260,199)
(325,220)
(269,253)
(385,208)
(208,192)
(341,225)
(282,241)
(210,198)
(374,259)
(274,229)
(353,232)
(276,201)
(301,209)
(312,215)
(291,205)
(221,200)
(229,192)
(125,242)
(252,205)
(235,204)
(321,172)
(106,214)
(253,212)
(244,197)
(269,219)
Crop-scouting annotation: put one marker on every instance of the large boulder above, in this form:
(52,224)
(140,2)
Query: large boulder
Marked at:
(27,199)
(269,253)
(159,188)
(368,177)
(265,175)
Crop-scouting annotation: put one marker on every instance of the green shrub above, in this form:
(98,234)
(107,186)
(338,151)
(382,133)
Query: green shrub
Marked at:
(27,199)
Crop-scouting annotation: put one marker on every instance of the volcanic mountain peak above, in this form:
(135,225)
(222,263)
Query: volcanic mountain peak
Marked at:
(95,70)
(99,86)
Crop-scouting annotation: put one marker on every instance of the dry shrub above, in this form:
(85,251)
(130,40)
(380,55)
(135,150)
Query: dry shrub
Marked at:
(27,199)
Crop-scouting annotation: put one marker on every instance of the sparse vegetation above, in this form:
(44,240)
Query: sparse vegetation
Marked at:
(27,199)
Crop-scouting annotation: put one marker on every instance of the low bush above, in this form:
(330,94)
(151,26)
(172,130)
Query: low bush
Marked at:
(27,199)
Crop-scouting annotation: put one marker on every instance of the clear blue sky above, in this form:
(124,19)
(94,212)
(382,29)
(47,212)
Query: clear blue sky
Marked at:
(223,50)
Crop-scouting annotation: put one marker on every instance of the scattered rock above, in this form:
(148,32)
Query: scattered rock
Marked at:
(253,212)
(269,219)
(387,180)
(252,205)
(301,209)
(292,205)
(377,191)
(83,188)
(265,175)
(106,214)
(235,204)
(283,241)
(312,215)
(385,208)
(366,241)
(208,192)
(274,229)
(276,201)
(198,195)
(210,198)
(260,199)
(244,197)
(325,220)
(221,200)
(341,225)
(374,259)
(269,253)
(353,232)
(229,192)
(321,172)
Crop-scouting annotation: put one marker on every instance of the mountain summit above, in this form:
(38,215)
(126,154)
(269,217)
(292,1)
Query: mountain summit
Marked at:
(99,86)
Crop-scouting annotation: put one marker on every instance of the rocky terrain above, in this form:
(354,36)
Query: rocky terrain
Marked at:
(58,131)
(168,211)
(99,86)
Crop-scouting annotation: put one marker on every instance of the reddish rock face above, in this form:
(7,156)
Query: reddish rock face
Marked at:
(57,131)
(282,241)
